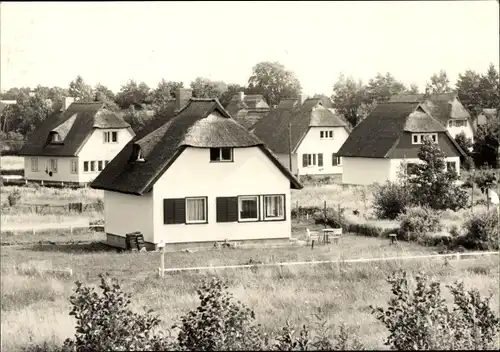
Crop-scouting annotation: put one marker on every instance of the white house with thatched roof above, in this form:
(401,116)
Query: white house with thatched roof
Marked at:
(201,177)
(306,132)
(74,145)
(389,139)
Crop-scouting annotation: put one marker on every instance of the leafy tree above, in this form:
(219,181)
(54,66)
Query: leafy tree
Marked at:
(274,81)
(164,91)
(439,83)
(381,88)
(486,143)
(105,95)
(26,115)
(413,89)
(489,88)
(232,89)
(80,90)
(16,94)
(206,88)
(468,87)
(433,185)
(465,144)
(348,97)
(135,94)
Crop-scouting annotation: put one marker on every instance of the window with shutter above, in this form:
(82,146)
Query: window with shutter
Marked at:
(320,159)
(174,211)
(227,209)
(334,160)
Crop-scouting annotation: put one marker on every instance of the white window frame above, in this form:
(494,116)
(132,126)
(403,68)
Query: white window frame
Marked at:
(338,158)
(220,156)
(312,160)
(34,164)
(454,162)
(281,209)
(326,134)
(205,213)
(420,137)
(100,165)
(92,167)
(108,136)
(240,200)
(88,166)
(74,166)
(53,165)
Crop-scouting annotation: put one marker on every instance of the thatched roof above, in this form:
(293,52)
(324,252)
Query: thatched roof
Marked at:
(443,106)
(375,136)
(273,129)
(202,123)
(74,126)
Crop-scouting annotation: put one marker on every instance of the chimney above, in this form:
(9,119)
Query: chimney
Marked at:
(182,96)
(66,102)
(242,96)
(301,98)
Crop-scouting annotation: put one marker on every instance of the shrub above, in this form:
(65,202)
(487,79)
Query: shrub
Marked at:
(390,200)
(419,318)
(333,218)
(370,230)
(219,323)
(14,197)
(485,178)
(481,231)
(105,323)
(418,221)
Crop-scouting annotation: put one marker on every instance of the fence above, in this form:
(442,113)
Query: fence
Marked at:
(458,256)
(49,227)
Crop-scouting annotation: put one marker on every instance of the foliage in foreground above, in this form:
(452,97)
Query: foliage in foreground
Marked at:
(417,318)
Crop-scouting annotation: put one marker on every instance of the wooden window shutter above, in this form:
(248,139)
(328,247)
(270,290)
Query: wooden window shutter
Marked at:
(320,159)
(334,159)
(174,211)
(304,160)
(227,209)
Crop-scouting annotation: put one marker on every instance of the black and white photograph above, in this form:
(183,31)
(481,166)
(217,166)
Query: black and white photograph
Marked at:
(249,175)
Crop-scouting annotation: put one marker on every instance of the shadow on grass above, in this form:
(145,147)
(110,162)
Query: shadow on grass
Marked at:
(76,247)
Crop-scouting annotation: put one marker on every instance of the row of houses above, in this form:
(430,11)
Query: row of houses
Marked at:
(230,177)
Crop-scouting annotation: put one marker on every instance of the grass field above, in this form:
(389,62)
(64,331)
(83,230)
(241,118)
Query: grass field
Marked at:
(36,307)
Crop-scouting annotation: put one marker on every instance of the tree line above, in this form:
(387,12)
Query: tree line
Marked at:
(350,97)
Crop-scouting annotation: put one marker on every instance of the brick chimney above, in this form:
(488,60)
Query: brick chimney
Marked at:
(66,102)
(301,98)
(182,96)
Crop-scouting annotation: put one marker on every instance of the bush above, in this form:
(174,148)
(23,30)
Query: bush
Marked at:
(481,231)
(14,197)
(390,200)
(370,230)
(219,323)
(105,323)
(418,221)
(333,218)
(419,318)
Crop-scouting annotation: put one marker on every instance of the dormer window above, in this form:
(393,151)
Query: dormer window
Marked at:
(418,138)
(137,154)
(54,137)
(221,154)
(140,157)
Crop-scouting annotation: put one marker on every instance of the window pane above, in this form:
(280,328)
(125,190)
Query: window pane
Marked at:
(106,163)
(85,166)
(214,154)
(92,166)
(114,136)
(314,159)
(331,134)
(248,208)
(226,153)
(274,206)
(195,209)
(99,165)
(320,159)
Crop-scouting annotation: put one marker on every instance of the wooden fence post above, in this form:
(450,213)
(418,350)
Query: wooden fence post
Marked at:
(162,261)
(325,213)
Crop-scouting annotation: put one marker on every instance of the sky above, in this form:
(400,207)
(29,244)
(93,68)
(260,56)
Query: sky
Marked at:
(50,43)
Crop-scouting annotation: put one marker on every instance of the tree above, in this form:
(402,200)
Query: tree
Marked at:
(468,87)
(413,89)
(465,144)
(26,115)
(274,81)
(206,88)
(16,94)
(381,88)
(105,95)
(232,90)
(135,94)
(164,91)
(432,185)
(489,88)
(81,90)
(439,83)
(486,143)
(348,97)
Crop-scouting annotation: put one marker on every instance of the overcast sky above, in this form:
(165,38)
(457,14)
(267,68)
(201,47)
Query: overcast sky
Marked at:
(51,43)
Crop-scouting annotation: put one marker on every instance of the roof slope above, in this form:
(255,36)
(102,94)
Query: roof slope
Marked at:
(378,132)
(202,123)
(273,129)
(74,126)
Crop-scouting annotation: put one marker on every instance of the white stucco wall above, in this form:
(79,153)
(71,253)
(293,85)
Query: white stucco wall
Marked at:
(124,213)
(192,174)
(454,131)
(313,144)
(396,165)
(63,173)
(95,149)
(365,171)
